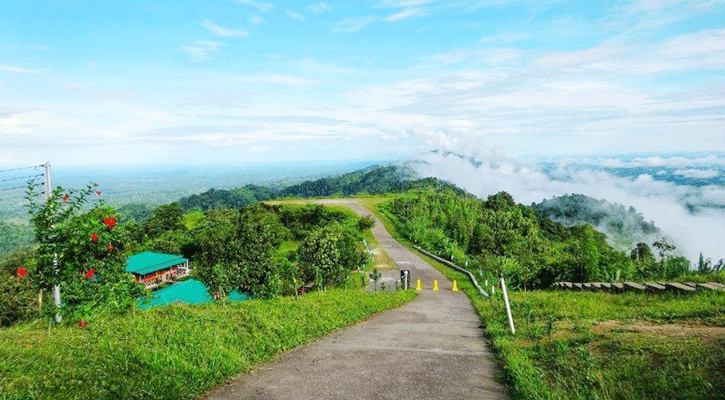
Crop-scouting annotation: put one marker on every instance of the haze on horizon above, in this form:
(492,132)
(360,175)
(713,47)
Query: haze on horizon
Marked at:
(237,81)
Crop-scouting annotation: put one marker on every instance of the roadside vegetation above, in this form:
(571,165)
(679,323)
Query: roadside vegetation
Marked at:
(172,352)
(585,345)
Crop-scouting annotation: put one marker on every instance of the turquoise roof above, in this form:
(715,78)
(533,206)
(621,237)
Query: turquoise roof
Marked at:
(148,262)
(190,291)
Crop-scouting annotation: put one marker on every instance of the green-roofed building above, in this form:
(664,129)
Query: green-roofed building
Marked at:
(190,291)
(152,268)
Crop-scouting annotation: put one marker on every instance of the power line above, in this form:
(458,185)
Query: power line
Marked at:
(21,168)
(21,177)
(19,187)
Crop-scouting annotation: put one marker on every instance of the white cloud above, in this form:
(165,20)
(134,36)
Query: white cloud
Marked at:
(295,15)
(319,8)
(354,24)
(256,20)
(407,13)
(323,66)
(219,31)
(202,51)
(658,201)
(257,4)
(697,173)
(277,80)
(479,55)
(17,70)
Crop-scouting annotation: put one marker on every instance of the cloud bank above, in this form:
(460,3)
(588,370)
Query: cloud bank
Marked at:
(488,172)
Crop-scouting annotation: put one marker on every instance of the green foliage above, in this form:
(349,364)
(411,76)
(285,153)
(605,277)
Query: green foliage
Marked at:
(14,237)
(365,222)
(133,356)
(594,349)
(587,345)
(623,226)
(301,219)
(236,249)
(135,212)
(236,198)
(328,255)
(18,294)
(499,237)
(82,253)
(165,218)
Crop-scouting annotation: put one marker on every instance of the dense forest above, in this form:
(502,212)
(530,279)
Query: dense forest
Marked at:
(501,238)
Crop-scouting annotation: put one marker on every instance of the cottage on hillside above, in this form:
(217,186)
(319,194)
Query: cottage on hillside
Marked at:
(152,268)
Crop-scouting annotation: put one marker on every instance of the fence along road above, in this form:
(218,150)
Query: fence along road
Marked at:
(431,348)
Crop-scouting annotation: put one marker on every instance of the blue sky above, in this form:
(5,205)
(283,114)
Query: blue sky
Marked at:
(239,81)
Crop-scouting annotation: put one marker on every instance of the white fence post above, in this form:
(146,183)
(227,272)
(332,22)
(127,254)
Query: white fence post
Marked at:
(508,307)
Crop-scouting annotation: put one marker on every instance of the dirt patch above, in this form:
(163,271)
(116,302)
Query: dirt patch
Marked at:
(706,333)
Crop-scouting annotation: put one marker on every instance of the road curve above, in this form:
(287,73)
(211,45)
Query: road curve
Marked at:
(430,348)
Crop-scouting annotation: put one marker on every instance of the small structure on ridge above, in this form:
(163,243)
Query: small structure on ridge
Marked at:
(153,269)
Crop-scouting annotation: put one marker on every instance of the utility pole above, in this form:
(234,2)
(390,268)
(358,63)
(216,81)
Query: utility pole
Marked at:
(56,288)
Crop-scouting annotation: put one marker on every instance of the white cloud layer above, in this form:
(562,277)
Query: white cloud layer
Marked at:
(658,201)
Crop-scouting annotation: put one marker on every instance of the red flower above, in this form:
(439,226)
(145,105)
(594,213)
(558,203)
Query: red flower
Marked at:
(94,237)
(99,193)
(90,273)
(65,197)
(22,272)
(110,247)
(110,222)
(82,324)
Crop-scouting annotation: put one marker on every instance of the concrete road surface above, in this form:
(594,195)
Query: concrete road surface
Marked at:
(431,348)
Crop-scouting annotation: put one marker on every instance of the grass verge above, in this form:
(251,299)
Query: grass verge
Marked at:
(172,352)
(584,345)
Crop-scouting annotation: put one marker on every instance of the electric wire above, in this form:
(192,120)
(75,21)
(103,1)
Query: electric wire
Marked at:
(21,177)
(19,187)
(21,168)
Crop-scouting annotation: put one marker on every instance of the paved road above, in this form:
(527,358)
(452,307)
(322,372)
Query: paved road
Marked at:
(431,348)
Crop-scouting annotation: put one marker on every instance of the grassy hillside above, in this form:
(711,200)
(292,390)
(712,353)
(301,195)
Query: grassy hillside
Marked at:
(584,345)
(173,352)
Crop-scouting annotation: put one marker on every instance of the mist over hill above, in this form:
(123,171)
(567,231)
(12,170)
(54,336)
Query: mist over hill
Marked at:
(683,194)
(624,227)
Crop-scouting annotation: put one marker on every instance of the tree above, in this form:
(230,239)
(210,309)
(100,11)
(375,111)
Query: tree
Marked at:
(236,249)
(328,255)
(664,248)
(80,254)
(167,217)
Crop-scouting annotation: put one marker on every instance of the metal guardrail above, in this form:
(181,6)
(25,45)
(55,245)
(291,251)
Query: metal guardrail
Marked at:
(456,267)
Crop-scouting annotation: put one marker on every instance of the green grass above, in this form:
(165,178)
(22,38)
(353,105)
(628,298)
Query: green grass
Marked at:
(584,345)
(171,352)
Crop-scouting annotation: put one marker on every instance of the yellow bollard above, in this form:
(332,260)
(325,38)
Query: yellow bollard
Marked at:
(418,286)
(435,285)
(455,286)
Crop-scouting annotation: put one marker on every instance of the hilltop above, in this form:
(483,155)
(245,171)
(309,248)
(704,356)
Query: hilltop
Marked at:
(624,227)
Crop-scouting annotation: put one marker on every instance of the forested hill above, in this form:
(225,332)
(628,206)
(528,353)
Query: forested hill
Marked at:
(624,227)
(372,180)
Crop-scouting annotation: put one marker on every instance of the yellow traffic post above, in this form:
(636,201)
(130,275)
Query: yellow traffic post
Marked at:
(455,286)
(418,286)
(435,286)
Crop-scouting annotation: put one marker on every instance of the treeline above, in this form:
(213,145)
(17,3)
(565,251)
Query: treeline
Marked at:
(261,250)
(498,237)
(373,180)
